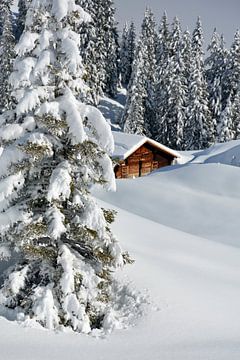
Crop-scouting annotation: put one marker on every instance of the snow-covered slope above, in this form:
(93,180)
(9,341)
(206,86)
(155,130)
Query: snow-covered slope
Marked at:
(201,199)
(227,153)
(193,282)
(194,286)
(112,109)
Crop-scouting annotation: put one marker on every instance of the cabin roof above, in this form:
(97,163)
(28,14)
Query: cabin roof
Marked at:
(127,144)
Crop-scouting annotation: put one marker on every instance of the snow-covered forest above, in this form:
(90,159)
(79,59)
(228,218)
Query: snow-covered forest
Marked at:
(178,93)
(185,98)
(155,258)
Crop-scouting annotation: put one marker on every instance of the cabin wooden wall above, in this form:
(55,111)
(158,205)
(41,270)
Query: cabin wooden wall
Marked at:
(143,161)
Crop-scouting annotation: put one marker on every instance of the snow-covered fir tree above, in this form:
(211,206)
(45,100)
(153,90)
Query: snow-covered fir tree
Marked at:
(231,77)
(141,91)
(236,115)
(172,110)
(124,63)
(215,70)
(186,53)
(21,18)
(133,120)
(225,127)
(92,49)
(159,129)
(163,40)
(149,37)
(55,148)
(4,4)
(111,41)
(91,54)
(7,43)
(127,51)
(199,127)
(100,48)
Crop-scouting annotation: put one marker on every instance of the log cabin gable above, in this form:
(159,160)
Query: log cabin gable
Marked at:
(143,160)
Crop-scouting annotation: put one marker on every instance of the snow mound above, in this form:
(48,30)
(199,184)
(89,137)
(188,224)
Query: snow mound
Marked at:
(112,109)
(200,199)
(195,284)
(226,153)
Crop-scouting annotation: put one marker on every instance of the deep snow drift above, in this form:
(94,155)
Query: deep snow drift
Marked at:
(112,109)
(202,199)
(193,282)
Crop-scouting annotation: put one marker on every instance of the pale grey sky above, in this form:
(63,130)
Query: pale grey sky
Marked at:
(222,14)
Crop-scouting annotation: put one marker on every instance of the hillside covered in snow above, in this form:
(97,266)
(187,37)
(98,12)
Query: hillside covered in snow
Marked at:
(180,226)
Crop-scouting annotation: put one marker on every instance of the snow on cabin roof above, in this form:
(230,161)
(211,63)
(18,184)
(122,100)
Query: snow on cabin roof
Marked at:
(126,144)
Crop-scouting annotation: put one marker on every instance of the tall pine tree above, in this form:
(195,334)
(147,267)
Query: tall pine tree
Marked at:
(92,49)
(54,151)
(7,43)
(100,47)
(159,129)
(141,89)
(21,18)
(232,73)
(127,52)
(111,41)
(215,70)
(133,120)
(199,126)
(172,106)
(225,128)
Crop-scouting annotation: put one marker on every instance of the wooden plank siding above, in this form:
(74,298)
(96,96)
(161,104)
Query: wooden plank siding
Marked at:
(143,161)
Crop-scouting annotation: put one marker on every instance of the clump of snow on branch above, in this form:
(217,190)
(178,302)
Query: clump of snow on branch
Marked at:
(56,225)
(69,105)
(99,129)
(60,182)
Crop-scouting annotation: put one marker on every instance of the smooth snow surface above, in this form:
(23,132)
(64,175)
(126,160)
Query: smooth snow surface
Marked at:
(201,199)
(193,281)
(194,286)
(227,153)
(112,111)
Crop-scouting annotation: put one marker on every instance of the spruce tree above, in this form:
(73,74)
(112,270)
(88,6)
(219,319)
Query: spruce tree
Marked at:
(92,49)
(199,126)
(127,53)
(232,73)
(22,12)
(148,38)
(131,48)
(236,115)
(100,48)
(172,110)
(111,41)
(54,151)
(141,91)
(7,43)
(133,120)
(215,70)
(160,128)
(124,64)
(163,40)
(225,128)
(186,53)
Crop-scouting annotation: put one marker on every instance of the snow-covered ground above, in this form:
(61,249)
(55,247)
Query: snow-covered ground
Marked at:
(112,109)
(180,224)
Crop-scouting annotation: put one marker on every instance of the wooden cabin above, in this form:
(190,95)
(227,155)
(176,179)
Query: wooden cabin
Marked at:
(137,155)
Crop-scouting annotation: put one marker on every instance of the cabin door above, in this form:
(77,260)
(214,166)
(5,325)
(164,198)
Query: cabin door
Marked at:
(140,168)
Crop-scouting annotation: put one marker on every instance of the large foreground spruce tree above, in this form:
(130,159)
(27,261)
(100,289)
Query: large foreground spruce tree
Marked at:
(7,55)
(53,149)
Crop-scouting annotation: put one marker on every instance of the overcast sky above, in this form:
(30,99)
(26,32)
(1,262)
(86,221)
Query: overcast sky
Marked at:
(222,14)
